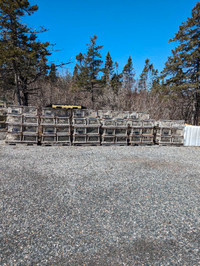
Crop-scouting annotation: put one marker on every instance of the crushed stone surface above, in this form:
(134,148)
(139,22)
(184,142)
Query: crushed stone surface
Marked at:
(99,205)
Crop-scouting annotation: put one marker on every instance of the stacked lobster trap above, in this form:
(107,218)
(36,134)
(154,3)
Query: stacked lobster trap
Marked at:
(115,131)
(86,127)
(60,126)
(114,127)
(170,132)
(148,132)
(55,126)
(30,125)
(142,132)
(121,131)
(22,125)
(108,131)
(3,115)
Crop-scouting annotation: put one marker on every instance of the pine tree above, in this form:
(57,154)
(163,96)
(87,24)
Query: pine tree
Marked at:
(108,70)
(88,78)
(22,58)
(182,70)
(80,59)
(128,74)
(148,77)
(116,80)
(52,73)
(75,75)
(77,69)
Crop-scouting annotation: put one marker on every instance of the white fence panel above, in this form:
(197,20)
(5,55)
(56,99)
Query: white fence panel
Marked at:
(192,136)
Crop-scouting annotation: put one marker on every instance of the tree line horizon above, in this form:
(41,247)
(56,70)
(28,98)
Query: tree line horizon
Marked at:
(26,76)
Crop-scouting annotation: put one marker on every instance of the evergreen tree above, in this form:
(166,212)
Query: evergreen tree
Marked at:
(22,57)
(80,59)
(88,77)
(116,67)
(116,80)
(75,75)
(77,69)
(52,73)
(148,77)
(108,70)
(128,74)
(182,70)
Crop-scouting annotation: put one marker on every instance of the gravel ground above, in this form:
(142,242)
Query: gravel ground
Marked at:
(99,205)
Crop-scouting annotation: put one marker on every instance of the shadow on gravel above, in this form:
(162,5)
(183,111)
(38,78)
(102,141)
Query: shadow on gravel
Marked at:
(137,253)
(155,164)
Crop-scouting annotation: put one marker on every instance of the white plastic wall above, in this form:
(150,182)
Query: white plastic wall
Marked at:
(192,136)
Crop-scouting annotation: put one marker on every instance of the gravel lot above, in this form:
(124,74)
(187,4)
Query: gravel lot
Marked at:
(99,205)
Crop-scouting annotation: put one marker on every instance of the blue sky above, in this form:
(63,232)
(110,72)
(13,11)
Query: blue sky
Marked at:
(138,28)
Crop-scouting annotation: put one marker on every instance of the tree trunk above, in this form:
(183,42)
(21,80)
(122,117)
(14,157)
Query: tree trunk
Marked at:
(25,99)
(17,90)
(92,92)
(195,109)
(25,95)
(17,83)
(198,95)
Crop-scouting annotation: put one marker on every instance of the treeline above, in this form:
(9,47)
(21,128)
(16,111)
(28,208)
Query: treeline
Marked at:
(27,78)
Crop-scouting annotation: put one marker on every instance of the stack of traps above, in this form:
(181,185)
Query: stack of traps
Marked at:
(142,132)
(3,115)
(55,126)
(22,125)
(170,132)
(114,131)
(88,127)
